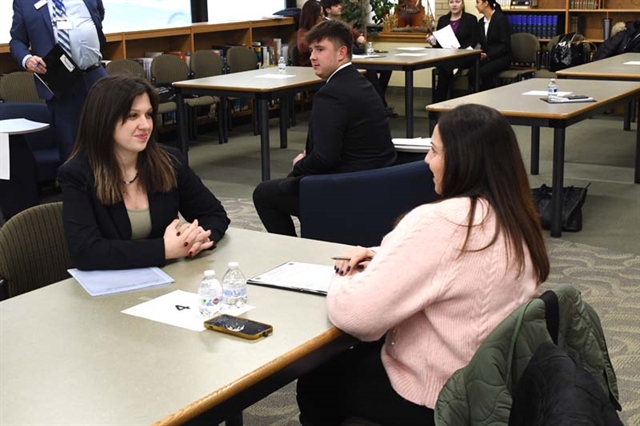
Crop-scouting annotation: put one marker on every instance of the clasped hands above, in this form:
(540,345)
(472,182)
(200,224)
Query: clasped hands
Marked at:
(358,260)
(186,240)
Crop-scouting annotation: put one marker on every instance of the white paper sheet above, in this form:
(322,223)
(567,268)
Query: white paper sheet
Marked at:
(275,76)
(178,308)
(632,63)
(375,55)
(5,165)
(447,38)
(306,277)
(98,283)
(544,93)
(412,141)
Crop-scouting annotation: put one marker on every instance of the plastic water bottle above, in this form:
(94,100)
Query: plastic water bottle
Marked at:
(552,88)
(370,50)
(282,65)
(234,286)
(210,294)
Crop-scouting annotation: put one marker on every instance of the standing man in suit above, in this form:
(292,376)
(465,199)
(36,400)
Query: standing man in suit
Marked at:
(77,26)
(494,35)
(348,130)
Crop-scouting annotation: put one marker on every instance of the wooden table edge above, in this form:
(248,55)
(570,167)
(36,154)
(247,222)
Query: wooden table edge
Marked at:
(211,400)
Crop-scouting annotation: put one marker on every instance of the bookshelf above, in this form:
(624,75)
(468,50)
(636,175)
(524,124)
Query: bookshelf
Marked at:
(197,36)
(584,16)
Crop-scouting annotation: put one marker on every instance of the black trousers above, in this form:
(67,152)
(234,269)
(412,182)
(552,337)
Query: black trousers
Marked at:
(489,70)
(356,384)
(276,201)
(446,77)
(380,81)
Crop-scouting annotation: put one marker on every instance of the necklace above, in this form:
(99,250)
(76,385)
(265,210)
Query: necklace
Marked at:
(131,181)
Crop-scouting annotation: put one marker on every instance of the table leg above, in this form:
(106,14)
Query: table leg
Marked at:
(408,101)
(628,108)
(284,120)
(181,116)
(263,119)
(637,177)
(236,420)
(558,181)
(535,150)
(476,82)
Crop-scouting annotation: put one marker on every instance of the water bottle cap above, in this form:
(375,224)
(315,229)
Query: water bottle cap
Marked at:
(209,273)
(233,265)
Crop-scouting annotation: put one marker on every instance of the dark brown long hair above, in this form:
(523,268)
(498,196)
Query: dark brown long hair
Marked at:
(482,160)
(309,14)
(109,101)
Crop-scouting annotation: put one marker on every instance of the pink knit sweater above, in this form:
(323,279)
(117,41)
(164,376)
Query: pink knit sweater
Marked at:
(435,304)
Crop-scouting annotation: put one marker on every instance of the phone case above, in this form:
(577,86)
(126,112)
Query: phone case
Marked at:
(266,328)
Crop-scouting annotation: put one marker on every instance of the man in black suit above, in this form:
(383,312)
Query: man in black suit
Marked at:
(348,130)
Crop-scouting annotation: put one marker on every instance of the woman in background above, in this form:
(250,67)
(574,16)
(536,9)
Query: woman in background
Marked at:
(438,285)
(310,15)
(494,35)
(463,25)
(122,192)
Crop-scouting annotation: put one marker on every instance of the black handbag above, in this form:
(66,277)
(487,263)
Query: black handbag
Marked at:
(572,200)
(570,51)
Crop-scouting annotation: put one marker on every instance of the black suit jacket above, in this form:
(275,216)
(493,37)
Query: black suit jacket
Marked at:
(467,34)
(497,43)
(349,129)
(99,235)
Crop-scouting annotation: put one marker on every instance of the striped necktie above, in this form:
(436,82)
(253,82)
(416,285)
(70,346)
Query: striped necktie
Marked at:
(60,13)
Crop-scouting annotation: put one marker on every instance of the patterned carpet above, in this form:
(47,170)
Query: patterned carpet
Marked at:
(608,280)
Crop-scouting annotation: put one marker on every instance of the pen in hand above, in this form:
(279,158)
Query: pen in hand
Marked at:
(366,259)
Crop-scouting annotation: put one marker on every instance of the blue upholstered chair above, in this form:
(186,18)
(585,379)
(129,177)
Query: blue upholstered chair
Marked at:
(360,208)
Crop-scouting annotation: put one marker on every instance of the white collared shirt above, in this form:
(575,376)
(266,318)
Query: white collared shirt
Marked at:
(85,45)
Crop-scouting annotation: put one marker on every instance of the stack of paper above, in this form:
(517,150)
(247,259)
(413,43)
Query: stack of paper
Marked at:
(98,283)
(412,144)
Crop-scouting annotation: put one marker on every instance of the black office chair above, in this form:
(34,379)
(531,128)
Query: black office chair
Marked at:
(207,63)
(525,60)
(360,208)
(240,58)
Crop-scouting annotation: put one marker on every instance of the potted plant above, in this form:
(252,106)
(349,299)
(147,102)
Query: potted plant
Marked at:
(380,9)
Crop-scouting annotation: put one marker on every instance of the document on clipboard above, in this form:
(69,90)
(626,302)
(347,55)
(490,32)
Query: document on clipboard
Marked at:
(304,277)
(62,71)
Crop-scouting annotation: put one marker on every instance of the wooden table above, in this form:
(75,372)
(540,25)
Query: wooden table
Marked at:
(534,112)
(263,85)
(69,358)
(399,60)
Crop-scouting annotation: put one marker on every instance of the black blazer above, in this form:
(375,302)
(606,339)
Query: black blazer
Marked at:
(497,43)
(349,129)
(467,34)
(99,236)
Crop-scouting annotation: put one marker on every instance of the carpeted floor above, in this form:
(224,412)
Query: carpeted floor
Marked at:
(608,280)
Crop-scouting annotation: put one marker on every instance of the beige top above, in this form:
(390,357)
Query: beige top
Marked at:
(140,223)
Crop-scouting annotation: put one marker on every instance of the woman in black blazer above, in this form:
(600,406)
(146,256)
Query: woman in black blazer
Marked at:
(463,25)
(122,192)
(494,35)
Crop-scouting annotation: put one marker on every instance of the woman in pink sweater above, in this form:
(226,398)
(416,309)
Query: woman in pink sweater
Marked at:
(440,282)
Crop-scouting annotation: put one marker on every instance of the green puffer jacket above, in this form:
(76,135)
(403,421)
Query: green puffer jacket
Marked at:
(480,393)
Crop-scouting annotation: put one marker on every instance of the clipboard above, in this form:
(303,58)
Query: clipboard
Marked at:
(62,72)
(297,276)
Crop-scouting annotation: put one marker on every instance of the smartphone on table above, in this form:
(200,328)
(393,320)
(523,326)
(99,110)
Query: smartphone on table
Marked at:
(241,327)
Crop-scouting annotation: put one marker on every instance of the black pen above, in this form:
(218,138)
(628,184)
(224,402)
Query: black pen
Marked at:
(366,259)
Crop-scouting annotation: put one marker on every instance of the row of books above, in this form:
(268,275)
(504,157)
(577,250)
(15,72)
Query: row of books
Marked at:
(541,26)
(585,4)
